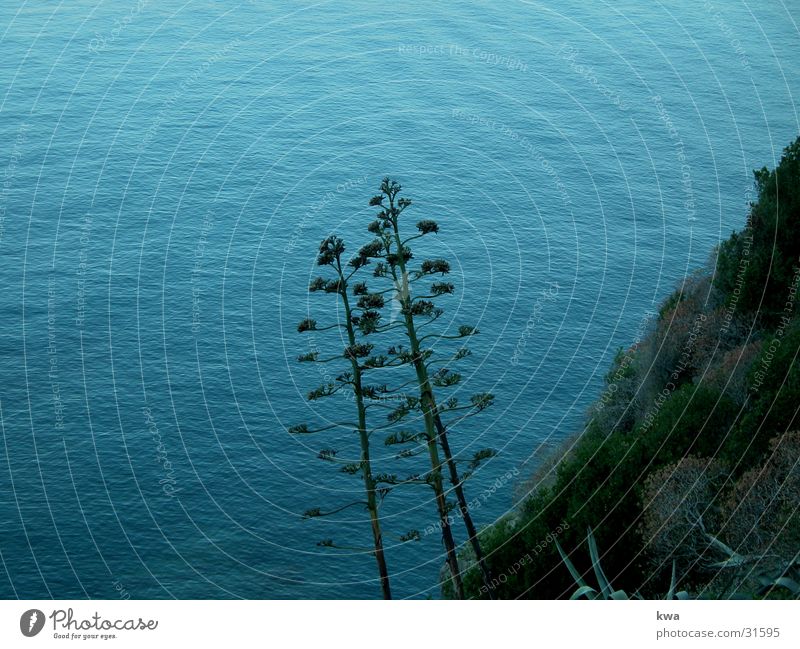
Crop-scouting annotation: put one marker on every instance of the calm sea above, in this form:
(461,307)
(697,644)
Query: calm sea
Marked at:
(168,169)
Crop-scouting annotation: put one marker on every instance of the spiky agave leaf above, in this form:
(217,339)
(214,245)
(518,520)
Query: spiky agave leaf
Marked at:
(576,576)
(584,591)
(594,554)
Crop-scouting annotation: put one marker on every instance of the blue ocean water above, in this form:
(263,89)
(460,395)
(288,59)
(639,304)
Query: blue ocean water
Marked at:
(168,169)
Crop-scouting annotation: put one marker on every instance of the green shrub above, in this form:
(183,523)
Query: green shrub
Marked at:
(695,419)
(774,224)
(774,399)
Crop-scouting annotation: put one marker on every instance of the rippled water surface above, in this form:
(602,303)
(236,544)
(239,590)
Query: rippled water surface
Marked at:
(168,171)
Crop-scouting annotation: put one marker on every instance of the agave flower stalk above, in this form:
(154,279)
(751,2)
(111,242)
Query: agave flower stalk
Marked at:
(330,255)
(395,254)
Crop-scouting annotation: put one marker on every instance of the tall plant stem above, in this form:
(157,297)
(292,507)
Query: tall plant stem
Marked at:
(366,465)
(429,410)
(463,508)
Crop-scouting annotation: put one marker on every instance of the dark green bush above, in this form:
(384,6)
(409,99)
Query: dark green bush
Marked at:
(774,225)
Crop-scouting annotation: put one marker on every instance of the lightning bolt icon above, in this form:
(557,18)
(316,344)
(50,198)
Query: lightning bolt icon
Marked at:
(32,621)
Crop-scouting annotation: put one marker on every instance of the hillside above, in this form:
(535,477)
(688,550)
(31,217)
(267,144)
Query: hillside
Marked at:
(690,457)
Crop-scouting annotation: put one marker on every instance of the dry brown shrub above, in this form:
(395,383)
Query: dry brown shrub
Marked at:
(678,510)
(760,514)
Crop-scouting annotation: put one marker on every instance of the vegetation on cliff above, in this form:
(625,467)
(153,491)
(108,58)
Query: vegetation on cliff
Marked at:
(689,462)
